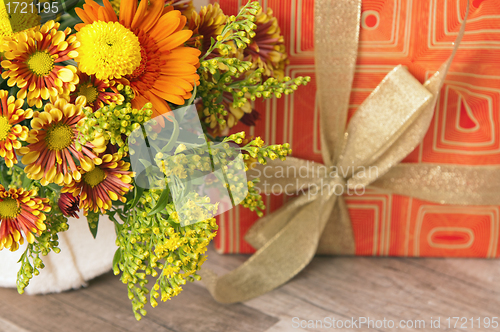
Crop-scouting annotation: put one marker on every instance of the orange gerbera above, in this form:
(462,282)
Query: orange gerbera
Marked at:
(107,182)
(20,211)
(33,63)
(11,132)
(160,69)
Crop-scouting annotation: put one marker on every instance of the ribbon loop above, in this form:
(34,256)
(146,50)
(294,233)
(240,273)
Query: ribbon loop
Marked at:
(389,110)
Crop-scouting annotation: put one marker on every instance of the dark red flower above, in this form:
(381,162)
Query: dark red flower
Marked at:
(69,205)
(249,119)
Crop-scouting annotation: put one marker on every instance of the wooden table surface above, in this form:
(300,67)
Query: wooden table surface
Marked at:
(343,288)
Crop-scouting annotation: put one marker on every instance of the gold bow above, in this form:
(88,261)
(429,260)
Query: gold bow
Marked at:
(389,124)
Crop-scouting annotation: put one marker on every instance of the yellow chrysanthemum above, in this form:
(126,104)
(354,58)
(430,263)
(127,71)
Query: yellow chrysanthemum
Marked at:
(33,63)
(11,132)
(107,182)
(12,22)
(108,50)
(53,144)
(20,211)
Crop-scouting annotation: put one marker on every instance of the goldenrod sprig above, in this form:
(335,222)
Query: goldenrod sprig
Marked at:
(238,29)
(48,241)
(157,245)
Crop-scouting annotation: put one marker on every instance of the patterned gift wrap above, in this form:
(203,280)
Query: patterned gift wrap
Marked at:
(465,129)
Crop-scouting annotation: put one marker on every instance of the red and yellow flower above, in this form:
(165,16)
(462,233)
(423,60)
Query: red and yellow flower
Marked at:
(107,182)
(20,211)
(11,132)
(97,92)
(53,142)
(33,63)
(143,47)
(69,205)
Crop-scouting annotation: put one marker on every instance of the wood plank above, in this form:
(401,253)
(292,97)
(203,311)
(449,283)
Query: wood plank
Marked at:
(335,287)
(104,306)
(391,288)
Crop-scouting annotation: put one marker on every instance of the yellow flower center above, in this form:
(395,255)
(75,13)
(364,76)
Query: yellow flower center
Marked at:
(4,128)
(108,50)
(40,63)
(9,208)
(88,91)
(59,137)
(94,177)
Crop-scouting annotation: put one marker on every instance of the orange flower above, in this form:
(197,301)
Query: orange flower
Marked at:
(166,70)
(11,133)
(20,211)
(267,49)
(53,144)
(206,25)
(97,92)
(106,182)
(186,7)
(68,204)
(33,63)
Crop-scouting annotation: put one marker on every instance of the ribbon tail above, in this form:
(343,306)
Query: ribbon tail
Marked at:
(279,260)
(445,184)
(265,228)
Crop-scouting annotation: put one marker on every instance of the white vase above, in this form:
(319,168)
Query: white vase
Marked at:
(81,258)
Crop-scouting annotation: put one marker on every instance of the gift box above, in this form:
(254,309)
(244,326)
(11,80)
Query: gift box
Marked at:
(464,130)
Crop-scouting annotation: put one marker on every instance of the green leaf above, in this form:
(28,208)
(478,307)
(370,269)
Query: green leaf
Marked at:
(173,138)
(137,196)
(162,202)
(117,257)
(193,96)
(146,163)
(93,221)
(26,182)
(3,180)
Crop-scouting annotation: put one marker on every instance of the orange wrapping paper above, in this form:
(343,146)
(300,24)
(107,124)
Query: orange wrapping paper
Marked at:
(465,128)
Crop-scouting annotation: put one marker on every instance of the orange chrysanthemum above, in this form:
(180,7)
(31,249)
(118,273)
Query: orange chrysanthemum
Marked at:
(206,25)
(216,127)
(20,211)
(33,63)
(53,144)
(68,204)
(107,182)
(166,70)
(97,92)
(186,7)
(267,48)
(11,132)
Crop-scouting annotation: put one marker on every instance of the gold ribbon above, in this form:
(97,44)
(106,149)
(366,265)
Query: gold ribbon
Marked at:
(389,124)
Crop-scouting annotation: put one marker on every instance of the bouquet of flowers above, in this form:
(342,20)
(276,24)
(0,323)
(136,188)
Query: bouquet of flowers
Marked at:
(123,109)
